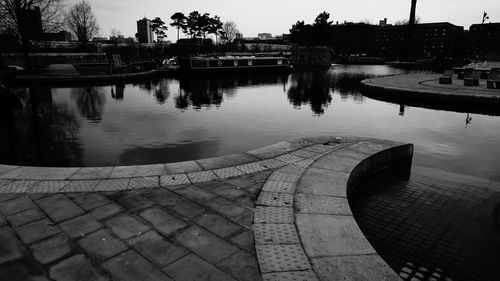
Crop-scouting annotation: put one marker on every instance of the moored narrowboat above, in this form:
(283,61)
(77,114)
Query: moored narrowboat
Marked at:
(233,63)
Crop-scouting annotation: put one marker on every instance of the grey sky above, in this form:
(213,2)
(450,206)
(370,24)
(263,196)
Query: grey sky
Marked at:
(276,17)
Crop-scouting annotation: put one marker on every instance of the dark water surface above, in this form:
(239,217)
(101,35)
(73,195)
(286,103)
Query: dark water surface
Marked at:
(170,120)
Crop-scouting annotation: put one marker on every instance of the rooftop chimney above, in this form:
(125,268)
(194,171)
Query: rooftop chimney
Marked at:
(412,12)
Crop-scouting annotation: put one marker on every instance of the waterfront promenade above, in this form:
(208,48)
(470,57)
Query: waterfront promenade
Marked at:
(276,213)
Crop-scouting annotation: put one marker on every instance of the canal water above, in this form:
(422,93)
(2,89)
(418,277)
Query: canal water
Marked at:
(177,119)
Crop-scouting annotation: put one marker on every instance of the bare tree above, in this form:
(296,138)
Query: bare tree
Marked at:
(406,21)
(12,19)
(82,22)
(229,32)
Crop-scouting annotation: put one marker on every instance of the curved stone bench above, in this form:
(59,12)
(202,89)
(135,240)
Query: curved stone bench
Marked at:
(304,228)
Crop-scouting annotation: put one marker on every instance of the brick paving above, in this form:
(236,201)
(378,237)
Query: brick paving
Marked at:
(186,232)
(431,228)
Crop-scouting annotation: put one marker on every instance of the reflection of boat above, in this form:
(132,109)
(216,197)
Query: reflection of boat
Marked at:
(233,63)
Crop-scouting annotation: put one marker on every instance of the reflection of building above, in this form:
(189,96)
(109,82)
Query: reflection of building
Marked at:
(144,32)
(265,36)
(485,39)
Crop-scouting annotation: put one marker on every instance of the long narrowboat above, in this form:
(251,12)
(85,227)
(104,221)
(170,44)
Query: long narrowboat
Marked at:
(233,63)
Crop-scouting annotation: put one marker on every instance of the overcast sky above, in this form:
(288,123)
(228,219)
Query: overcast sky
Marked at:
(276,17)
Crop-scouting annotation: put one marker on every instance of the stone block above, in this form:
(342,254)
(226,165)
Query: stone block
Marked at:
(192,267)
(276,258)
(10,246)
(275,199)
(126,226)
(88,201)
(245,241)
(80,226)
(131,266)
(112,184)
(51,249)
(157,249)
(144,182)
(317,204)
(226,173)
(324,182)
(275,234)
(92,173)
(229,191)
(217,224)
(36,231)
(16,205)
(355,268)
(226,207)
(25,217)
(273,215)
(23,271)
(242,265)
(182,167)
(328,235)
(59,207)
(134,201)
(101,245)
(40,173)
(205,244)
(106,211)
(203,176)
(189,209)
(174,180)
(292,275)
(163,221)
(163,197)
(336,163)
(81,186)
(273,150)
(195,193)
(76,268)
(226,161)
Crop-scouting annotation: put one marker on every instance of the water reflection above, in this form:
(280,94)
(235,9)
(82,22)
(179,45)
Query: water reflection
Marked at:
(90,102)
(37,131)
(310,87)
(118,91)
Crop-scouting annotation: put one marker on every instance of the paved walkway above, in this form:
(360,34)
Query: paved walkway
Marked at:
(276,213)
(426,87)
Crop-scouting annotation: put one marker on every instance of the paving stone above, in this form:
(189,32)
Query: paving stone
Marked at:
(134,201)
(336,163)
(279,186)
(48,187)
(320,148)
(245,241)
(251,168)
(145,182)
(324,182)
(9,196)
(248,200)
(260,177)
(131,266)
(16,205)
(157,249)
(152,170)
(3,222)
(10,246)
(36,231)
(273,215)
(196,193)
(328,235)
(163,221)
(304,153)
(101,245)
(106,211)
(292,170)
(274,234)
(255,189)
(277,258)
(226,173)
(25,217)
(306,163)
(76,268)
(59,207)
(273,150)
(5,168)
(126,226)
(229,191)
(275,199)
(217,224)
(88,201)
(25,270)
(283,177)
(369,267)
(80,226)
(51,249)
(92,173)
(124,172)
(40,173)
(226,161)
(245,219)
(289,159)
(205,244)
(209,185)
(272,163)
(191,268)
(242,182)
(163,197)
(81,186)
(38,196)
(225,207)
(182,167)
(314,204)
(174,180)
(189,209)
(242,265)
(202,176)
(112,184)
(290,276)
